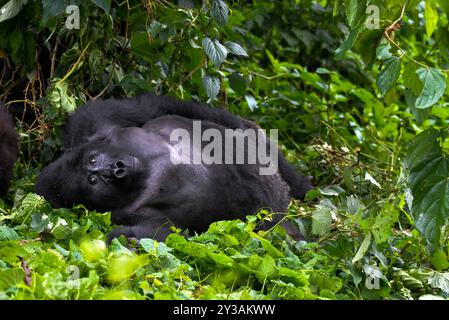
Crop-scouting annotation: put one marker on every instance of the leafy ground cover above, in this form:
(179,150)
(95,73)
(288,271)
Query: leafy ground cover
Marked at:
(357,90)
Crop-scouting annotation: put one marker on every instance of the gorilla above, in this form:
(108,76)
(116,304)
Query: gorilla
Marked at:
(120,156)
(9,149)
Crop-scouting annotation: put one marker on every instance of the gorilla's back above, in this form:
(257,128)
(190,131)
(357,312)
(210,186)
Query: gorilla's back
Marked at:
(240,188)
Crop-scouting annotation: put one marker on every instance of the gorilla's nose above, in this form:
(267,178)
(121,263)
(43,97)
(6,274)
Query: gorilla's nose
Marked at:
(119,169)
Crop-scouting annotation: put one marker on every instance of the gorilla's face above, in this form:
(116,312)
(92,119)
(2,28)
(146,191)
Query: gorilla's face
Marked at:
(99,175)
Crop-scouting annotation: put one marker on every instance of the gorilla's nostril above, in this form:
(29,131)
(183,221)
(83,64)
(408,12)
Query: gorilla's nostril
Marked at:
(120,164)
(120,173)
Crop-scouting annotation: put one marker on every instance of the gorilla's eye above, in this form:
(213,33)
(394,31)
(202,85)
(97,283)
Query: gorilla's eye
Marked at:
(92,160)
(93,179)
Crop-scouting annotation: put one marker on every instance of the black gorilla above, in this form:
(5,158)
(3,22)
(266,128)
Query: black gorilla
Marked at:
(9,149)
(118,158)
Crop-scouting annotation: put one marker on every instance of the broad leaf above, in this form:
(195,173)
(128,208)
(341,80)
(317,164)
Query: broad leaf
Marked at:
(321,220)
(354,10)
(411,79)
(215,50)
(431,17)
(238,83)
(103,4)
(252,103)
(429,184)
(235,48)
(440,281)
(11,9)
(7,233)
(434,84)
(347,45)
(389,75)
(363,248)
(383,52)
(212,86)
(445,5)
(220,11)
(439,260)
(51,8)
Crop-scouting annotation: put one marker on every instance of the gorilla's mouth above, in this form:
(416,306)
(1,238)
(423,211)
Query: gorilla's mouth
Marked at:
(132,169)
(123,171)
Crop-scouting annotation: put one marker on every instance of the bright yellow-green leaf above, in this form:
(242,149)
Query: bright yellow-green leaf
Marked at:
(431,17)
(363,248)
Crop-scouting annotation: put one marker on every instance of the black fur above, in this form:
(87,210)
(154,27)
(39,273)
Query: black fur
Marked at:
(8,149)
(125,146)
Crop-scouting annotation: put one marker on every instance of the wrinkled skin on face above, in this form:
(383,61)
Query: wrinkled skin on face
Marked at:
(96,174)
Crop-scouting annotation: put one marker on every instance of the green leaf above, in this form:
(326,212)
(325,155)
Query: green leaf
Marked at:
(61,232)
(411,79)
(354,10)
(141,47)
(215,50)
(445,5)
(321,220)
(363,248)
(252,103)
(429,184)
(11,9)
(10,278)
(348,178)
(336,8)
(440,281)
(52,8)
(235,48)
(103,4)
(332,190)
(431,17)
(7,233)
(439,260)
(148,244)
(389,75)
(271,250)
(434,85)
(322,71)
(212,86)
(220,11)
(122,266)
(238,83)
(17,44)
(266,267)
(221,259)
(348,44)
(383,51)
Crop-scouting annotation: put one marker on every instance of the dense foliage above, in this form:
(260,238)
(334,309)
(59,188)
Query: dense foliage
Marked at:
(357,89)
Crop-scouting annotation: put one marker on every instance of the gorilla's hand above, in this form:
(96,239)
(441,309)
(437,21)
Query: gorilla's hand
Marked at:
(141,223)
(157,229)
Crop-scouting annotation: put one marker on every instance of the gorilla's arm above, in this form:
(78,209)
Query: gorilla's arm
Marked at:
(96,118)
(145,222)
(299,185)
(157,229)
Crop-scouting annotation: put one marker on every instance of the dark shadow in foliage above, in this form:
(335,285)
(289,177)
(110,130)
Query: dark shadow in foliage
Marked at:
(9,148)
